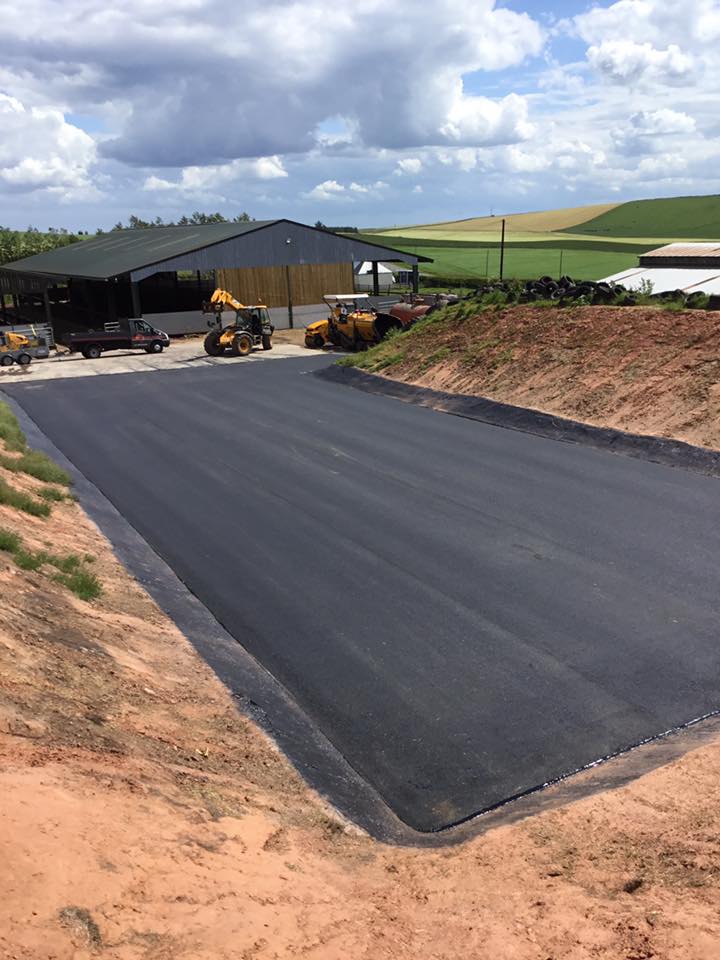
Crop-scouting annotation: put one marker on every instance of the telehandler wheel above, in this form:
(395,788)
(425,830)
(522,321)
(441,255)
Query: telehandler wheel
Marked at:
(316,342)
(212,344)
(266,341)
(6,360)
(242,345)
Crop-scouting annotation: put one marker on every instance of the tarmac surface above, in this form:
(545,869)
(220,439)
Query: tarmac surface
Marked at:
(466,612)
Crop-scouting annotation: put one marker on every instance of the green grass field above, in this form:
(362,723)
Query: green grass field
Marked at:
(588,243)
(681,218)
(524,259)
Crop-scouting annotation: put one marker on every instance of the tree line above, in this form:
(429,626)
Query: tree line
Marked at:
(322,226)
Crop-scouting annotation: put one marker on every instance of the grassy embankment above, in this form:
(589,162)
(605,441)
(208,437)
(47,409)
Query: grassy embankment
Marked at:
(417,341)
(40,485)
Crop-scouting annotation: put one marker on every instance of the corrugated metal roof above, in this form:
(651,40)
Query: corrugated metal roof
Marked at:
(121,251)
(703,250)
(664,279)
(136,251)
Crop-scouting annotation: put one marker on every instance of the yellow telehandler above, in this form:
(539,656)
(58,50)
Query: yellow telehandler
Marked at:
(251,326)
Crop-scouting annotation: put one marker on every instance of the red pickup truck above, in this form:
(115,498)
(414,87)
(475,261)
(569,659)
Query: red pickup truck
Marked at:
(138,335)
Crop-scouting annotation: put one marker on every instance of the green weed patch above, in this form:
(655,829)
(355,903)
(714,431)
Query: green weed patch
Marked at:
(70,569)
(10,430)
(23,501)
(36,464)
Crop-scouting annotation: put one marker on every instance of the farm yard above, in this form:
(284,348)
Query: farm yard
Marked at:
(391,783)
(359,472)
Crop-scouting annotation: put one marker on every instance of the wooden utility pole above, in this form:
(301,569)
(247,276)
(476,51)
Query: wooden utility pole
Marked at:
(502,250)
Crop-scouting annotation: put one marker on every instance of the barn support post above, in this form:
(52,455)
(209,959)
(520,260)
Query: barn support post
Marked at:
(48,310)
(415,279)
(135,295)
(375,279)
(288,281)
(111,301)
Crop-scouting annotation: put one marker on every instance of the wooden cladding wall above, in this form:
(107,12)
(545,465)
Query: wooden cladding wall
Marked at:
(309,282)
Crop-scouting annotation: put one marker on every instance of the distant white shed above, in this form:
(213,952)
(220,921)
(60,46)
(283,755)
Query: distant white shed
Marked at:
(364,277)
(690,267)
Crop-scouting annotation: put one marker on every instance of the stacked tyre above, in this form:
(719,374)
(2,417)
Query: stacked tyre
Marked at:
(568,290)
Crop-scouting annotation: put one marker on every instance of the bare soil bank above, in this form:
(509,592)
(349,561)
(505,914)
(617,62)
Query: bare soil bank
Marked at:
(638,369)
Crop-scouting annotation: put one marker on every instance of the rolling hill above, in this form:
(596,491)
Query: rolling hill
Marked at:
(589,242)
(676,218)
(545,221)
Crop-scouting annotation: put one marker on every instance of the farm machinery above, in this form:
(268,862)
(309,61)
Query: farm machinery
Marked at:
(353,322)
(251,326)
(20,348)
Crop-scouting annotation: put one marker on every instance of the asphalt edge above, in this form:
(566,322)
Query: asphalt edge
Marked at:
(662,450)
(256,692)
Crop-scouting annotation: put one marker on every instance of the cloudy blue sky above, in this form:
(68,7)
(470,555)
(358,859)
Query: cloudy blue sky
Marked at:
(366,112)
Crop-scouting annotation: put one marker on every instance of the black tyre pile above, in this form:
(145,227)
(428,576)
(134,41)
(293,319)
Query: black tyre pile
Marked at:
(567,291)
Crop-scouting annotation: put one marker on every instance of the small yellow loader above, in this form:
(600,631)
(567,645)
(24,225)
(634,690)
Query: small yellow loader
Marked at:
(21,349)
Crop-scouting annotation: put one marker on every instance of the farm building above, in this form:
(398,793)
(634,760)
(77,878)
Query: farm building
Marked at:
(690,267)
(165,273)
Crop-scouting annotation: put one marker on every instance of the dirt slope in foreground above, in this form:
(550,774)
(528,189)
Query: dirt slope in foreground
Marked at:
(635,368)
(143,818)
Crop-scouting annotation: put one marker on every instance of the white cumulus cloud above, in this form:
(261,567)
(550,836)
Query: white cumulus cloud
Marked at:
(195,82)
(39,149)
(625,61)
(411,165)
(208,179)
(326,190)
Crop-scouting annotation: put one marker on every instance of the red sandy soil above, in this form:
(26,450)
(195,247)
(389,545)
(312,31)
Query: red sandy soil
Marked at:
(142,817)
(639,369)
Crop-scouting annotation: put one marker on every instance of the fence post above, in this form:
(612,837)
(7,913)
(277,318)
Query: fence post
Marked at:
(502,250)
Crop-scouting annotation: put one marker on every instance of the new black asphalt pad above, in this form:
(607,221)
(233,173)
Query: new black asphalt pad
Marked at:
(466,612)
